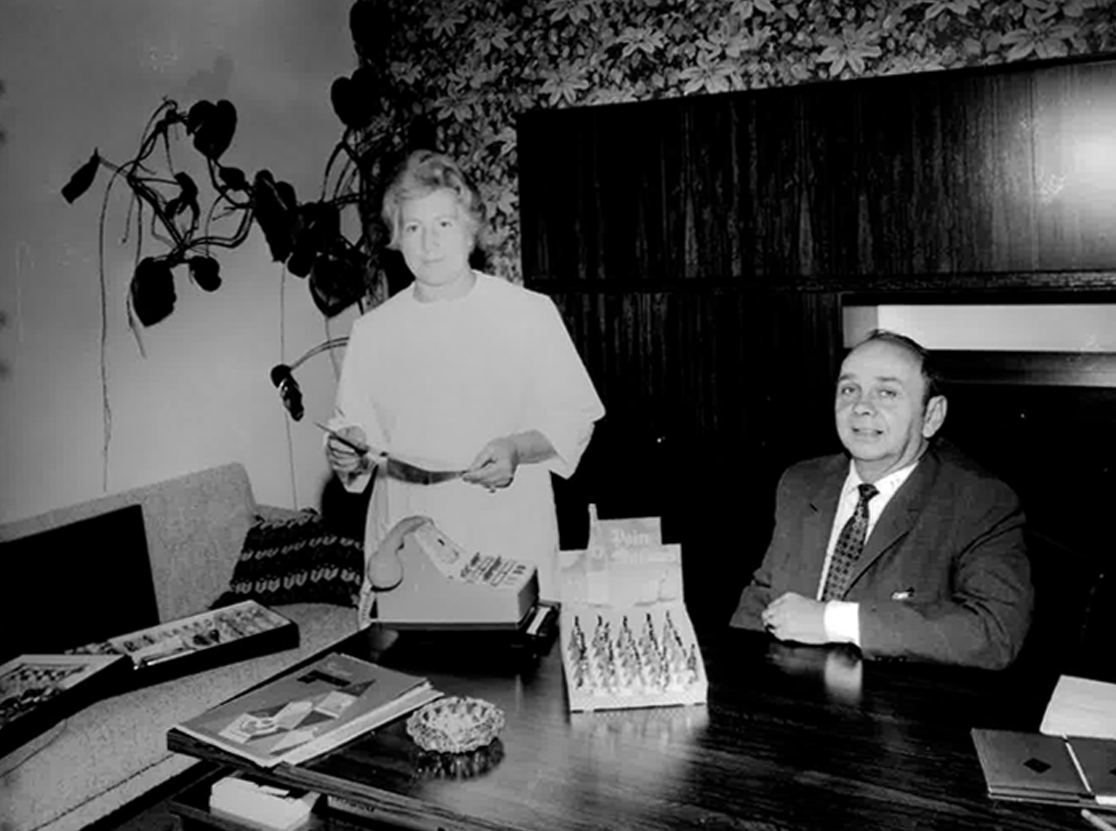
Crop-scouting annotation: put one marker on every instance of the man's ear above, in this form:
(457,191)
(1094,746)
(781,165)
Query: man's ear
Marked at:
(934,415)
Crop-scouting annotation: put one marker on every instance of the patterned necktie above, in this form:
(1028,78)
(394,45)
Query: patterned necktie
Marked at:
(849,545)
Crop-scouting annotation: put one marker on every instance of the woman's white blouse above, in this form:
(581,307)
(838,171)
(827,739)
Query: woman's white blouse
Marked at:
(434,382)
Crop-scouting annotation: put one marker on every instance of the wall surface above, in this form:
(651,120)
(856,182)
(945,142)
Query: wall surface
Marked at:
(78,76)
(1063,327)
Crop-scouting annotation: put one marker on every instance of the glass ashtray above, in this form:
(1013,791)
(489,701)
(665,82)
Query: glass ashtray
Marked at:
(430,765)
(455,724)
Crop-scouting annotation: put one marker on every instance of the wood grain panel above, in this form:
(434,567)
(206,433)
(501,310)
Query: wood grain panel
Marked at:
(997,170)
(671,362)
(1075,166)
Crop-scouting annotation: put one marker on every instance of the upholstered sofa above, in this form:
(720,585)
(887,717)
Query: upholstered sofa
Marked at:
(114,750)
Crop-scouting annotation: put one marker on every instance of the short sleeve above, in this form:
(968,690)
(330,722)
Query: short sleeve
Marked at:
(565,401)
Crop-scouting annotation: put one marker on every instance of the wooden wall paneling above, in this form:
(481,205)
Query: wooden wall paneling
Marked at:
(532,154)
(710,191)
(829,145)
(901,178)
(615,183)
(959,215)
(987,153)
(1010,175)
(1075,166)
(666,126)
(659,359)
(1053,129)
(909,176)
(558,222)
(652,250)
(602,194)
(666,193)
(1004,172)
(587,209)
(777,245)
(803,337)
(742,374)
(648,153)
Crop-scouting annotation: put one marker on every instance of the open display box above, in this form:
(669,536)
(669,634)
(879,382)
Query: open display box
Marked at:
(192,644)
(626,637)
(38,691)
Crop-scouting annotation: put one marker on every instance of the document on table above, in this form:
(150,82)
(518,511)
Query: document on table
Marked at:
(1081,707)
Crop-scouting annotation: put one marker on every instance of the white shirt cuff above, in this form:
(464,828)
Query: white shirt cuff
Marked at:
(842,622)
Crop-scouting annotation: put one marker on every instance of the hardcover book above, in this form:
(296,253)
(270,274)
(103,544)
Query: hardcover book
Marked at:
(310,711)
(1033,767)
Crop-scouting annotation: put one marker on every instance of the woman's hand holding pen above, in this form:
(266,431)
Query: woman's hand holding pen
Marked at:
(343,458)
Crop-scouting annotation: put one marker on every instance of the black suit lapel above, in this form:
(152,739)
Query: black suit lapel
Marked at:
(818,525)
(900,514)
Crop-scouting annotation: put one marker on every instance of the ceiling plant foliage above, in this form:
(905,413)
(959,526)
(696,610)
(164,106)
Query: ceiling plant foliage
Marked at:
(468,67)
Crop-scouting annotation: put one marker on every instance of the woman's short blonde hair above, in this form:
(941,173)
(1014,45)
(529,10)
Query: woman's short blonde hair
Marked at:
(422,173)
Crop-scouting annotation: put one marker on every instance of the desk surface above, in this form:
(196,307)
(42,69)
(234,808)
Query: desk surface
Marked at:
(791,738)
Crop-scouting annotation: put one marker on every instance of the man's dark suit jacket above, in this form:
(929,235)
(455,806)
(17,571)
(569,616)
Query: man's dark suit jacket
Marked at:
(944,575)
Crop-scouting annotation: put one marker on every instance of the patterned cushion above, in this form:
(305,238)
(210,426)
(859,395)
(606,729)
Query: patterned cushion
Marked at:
(296,559)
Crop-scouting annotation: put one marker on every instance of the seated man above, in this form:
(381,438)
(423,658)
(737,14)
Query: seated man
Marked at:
(903,546)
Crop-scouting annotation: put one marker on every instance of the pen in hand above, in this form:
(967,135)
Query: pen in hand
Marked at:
(362,449)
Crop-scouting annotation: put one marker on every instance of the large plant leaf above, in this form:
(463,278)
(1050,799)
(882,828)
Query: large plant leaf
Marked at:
(355,100)
(82,179)
(276,209)
(289,391)
(152,290)
(213,127)
(370,27)
(336,281)
(233,177)
(318,230)
(199,113)
(206,272)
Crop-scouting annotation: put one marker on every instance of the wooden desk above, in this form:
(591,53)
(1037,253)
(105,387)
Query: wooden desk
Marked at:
(791,738)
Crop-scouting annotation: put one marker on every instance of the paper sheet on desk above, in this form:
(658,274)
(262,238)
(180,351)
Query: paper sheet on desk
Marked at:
(1081,707)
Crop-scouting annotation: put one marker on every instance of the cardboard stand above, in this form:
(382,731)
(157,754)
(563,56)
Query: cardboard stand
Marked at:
(626,637)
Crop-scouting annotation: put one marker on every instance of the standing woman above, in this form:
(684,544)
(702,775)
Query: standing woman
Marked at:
(462,370)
